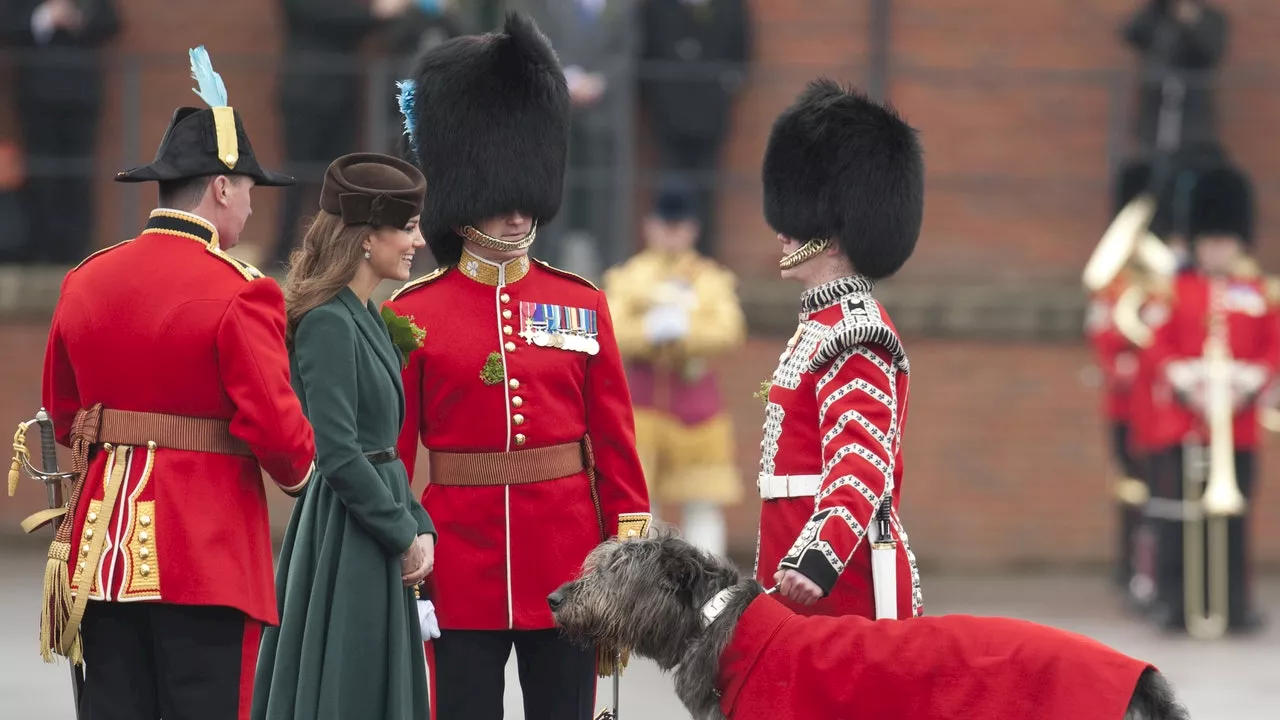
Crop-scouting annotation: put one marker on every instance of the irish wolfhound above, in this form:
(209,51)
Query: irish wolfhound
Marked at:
(740,654)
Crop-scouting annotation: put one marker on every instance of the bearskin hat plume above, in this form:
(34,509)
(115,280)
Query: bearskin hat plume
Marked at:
(840,165)
(490,124)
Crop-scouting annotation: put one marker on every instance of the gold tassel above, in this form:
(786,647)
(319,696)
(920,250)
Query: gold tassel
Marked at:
(20,453)
(609,660)
(57,605)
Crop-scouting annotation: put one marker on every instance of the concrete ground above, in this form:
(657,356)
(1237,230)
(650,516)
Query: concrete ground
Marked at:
(1232,679)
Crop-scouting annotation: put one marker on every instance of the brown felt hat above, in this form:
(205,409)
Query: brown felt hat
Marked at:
(373,189)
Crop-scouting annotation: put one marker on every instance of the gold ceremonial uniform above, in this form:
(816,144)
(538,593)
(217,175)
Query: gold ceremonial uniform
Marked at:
(673,312)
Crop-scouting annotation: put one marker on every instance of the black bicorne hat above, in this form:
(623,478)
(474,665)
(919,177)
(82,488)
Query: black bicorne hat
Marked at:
(205,141)
(489,124)
(842,166)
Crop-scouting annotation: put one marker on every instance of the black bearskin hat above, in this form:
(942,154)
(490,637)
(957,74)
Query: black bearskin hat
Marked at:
(491,124)
(1222,204)
(839,165)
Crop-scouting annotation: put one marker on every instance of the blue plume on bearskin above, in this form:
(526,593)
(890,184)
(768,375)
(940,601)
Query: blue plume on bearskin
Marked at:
(405,99)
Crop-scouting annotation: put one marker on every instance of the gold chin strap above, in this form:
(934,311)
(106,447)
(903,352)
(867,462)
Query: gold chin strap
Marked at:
(804,254)
(493,243)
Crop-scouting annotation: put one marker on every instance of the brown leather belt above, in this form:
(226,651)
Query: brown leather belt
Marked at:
(97,425)
(508,468)
(175,432)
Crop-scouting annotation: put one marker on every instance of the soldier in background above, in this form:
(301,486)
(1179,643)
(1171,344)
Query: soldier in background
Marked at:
(1224,297)
(1117,357)
(59,100)
(674,310)
(1181,43)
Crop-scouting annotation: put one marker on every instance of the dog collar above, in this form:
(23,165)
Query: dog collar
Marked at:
(712,608)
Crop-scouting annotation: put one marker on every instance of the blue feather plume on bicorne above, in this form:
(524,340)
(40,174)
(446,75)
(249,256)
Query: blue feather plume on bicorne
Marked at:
(405,99)
(210,87)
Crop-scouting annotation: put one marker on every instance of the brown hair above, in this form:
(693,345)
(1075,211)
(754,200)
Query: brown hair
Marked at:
(324,264)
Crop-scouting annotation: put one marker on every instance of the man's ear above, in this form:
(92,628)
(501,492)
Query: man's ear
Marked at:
(222,189)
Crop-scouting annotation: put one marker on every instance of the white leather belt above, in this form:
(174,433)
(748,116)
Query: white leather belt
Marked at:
(773,487)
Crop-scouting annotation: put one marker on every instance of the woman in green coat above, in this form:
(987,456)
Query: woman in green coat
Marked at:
(358,542)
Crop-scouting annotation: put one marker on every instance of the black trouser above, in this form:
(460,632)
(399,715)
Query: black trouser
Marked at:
(558,679)
(58,200)
(1164,512)
(144,661)
(697,162)
(1130,514)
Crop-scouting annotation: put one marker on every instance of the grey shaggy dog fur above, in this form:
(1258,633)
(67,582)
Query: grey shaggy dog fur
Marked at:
(647,595)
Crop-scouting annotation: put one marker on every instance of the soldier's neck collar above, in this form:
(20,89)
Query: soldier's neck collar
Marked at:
(828,294)
(488,272)
(182,224)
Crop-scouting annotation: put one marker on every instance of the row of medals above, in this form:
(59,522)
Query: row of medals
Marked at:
(563,341)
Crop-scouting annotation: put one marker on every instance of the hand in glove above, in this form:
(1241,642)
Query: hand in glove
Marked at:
(427,621)
(666,323)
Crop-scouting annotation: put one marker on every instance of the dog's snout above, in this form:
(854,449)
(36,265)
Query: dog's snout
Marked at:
(556,599)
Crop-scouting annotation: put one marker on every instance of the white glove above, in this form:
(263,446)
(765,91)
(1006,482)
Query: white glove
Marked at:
(427,620)
(665,323)
(1185,375)
(1247,379)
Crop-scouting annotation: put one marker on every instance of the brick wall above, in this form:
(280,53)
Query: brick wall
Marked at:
(1013,100)
(1004,452)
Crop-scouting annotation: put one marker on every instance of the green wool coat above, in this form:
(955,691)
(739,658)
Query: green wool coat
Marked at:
(348,645)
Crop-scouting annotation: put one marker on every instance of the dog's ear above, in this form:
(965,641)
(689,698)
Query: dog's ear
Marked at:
(681,570)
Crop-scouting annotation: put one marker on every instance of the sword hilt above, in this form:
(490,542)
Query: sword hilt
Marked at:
(48,442)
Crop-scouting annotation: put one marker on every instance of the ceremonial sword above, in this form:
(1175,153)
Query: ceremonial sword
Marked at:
(52,480)
(607,713)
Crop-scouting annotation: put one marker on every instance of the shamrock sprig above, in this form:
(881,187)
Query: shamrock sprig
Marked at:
(405,334)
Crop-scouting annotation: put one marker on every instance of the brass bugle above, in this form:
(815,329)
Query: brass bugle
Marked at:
(1155,263)
(1119,242)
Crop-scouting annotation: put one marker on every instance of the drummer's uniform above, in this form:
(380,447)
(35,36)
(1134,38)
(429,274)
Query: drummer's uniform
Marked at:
(166,373)
(1249,306)
(683,429)
(520,398)
(1253,329)
(832,450)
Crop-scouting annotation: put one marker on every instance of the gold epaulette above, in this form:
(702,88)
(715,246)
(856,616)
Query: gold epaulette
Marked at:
(1271,287)
(421,282)
(246,270)
(566,273)
(1247,268)
(103,250)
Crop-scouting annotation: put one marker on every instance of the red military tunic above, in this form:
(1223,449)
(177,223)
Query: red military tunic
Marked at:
(783,666)
(1147,400)
(168,323)
(479,385)
(1116,356)
(1253,330)
(821,481)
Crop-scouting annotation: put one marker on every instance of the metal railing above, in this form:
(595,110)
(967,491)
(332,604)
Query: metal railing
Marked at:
(142,87)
